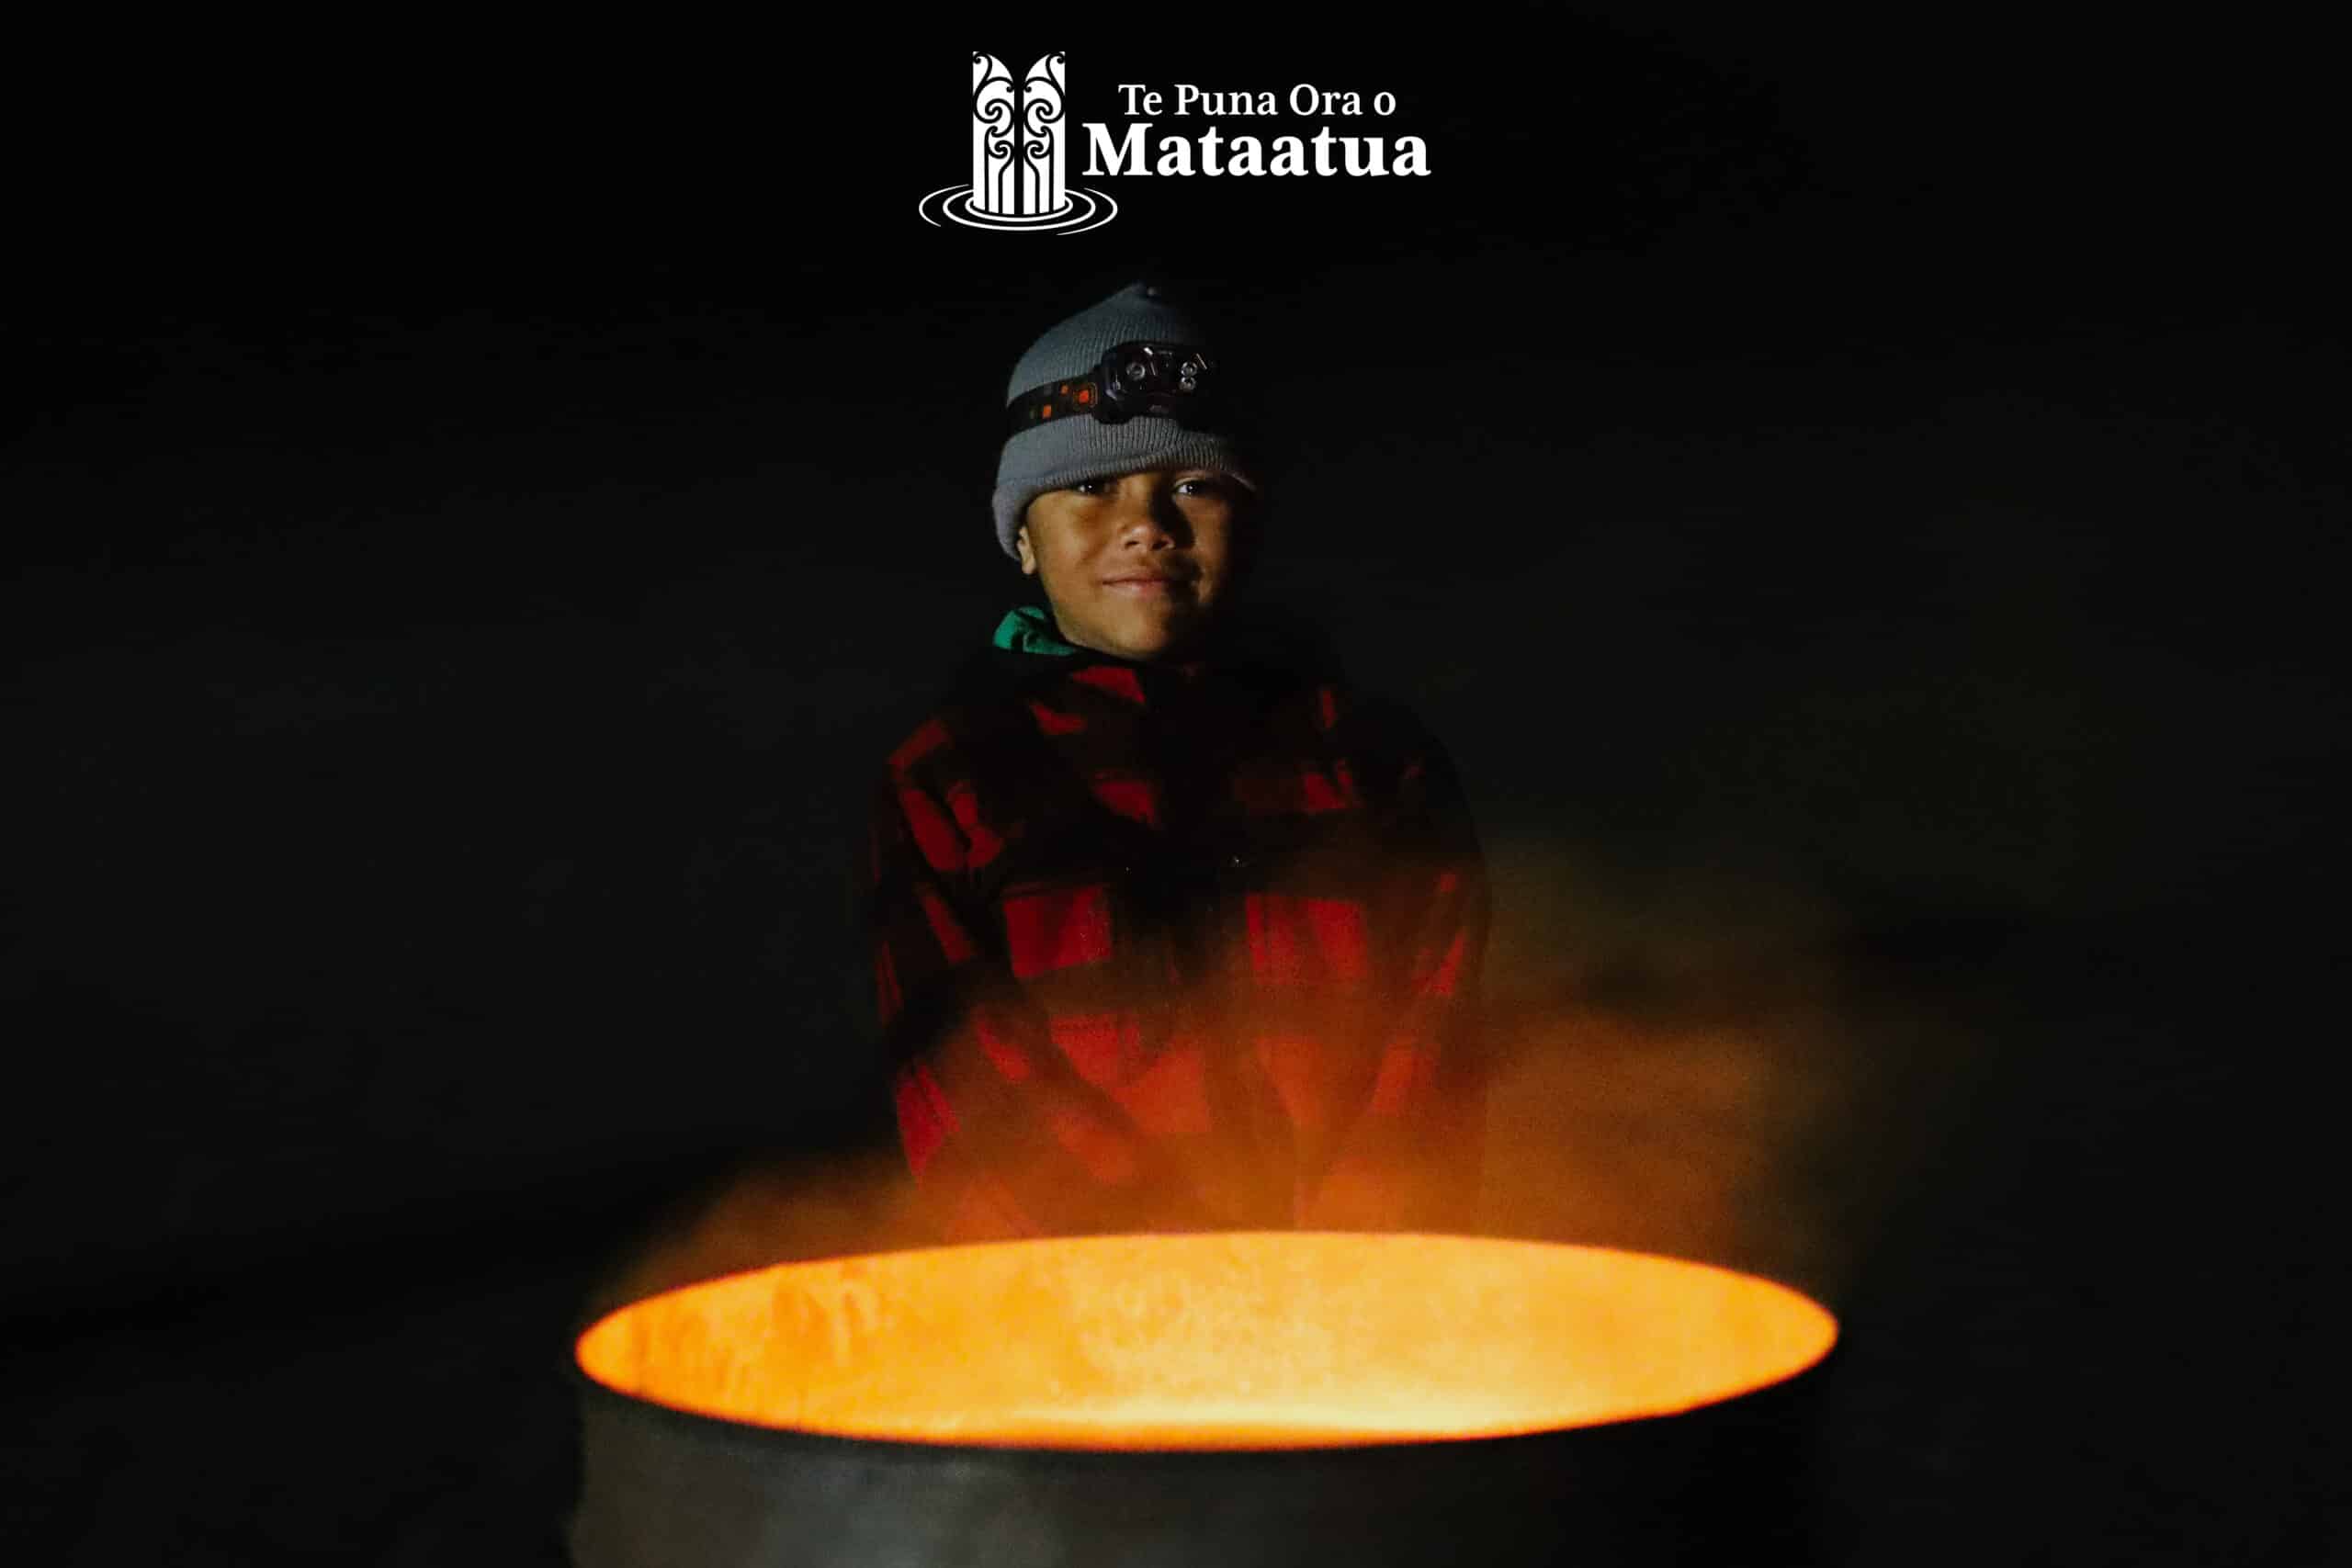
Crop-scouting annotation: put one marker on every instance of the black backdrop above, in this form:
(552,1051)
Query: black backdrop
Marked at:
(477,507)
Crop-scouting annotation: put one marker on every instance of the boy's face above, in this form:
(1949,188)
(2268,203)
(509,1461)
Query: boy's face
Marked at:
(1139,565)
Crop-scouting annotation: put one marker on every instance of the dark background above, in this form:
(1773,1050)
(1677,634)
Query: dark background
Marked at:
(477,508)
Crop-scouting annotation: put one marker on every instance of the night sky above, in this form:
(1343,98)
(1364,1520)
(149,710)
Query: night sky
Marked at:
(1863,502)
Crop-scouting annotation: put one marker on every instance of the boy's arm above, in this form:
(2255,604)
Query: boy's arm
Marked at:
(1001,1136)
(1411,1158)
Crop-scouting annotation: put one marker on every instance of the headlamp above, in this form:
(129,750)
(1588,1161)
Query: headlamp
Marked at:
(1145,376)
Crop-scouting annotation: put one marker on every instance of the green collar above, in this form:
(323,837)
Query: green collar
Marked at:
(1030,629)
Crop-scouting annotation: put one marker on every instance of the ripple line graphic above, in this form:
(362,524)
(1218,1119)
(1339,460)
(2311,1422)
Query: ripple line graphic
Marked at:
(1086,209)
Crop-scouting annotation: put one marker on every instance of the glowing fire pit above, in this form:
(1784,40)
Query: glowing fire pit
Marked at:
(1215,1341)
(987,1404)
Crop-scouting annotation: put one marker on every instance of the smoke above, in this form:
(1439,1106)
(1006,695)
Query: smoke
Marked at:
(770,1211)
(1708,1061)
(1699,1063)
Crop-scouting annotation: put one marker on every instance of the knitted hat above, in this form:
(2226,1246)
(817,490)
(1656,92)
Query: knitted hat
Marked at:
(1061,452)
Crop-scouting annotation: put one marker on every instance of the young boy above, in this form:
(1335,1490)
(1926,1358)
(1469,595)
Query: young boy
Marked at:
(1171,927)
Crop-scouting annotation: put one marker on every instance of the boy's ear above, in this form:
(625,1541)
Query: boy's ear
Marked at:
(1028,555)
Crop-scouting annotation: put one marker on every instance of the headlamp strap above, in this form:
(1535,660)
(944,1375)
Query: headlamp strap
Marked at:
(1059,400)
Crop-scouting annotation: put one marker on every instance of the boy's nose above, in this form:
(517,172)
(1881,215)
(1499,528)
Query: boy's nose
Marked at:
(1148,518)
(1144,528)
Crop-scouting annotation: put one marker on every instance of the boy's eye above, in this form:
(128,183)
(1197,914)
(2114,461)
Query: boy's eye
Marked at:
(1091,486)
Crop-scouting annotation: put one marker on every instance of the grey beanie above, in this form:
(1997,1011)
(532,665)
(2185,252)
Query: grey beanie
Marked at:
(1062,452)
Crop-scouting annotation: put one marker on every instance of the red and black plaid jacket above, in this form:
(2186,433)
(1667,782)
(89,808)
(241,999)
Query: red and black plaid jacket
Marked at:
(1178,946)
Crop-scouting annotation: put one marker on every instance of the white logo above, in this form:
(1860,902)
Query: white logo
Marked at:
(1017,133)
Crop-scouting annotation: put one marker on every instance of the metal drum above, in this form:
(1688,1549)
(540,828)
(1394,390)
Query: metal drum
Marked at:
(1227,1399)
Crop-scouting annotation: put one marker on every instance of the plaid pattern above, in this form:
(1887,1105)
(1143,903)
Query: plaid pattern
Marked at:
(1168,947)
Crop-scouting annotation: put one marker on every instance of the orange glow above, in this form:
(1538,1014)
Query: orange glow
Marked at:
(1228,1341)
